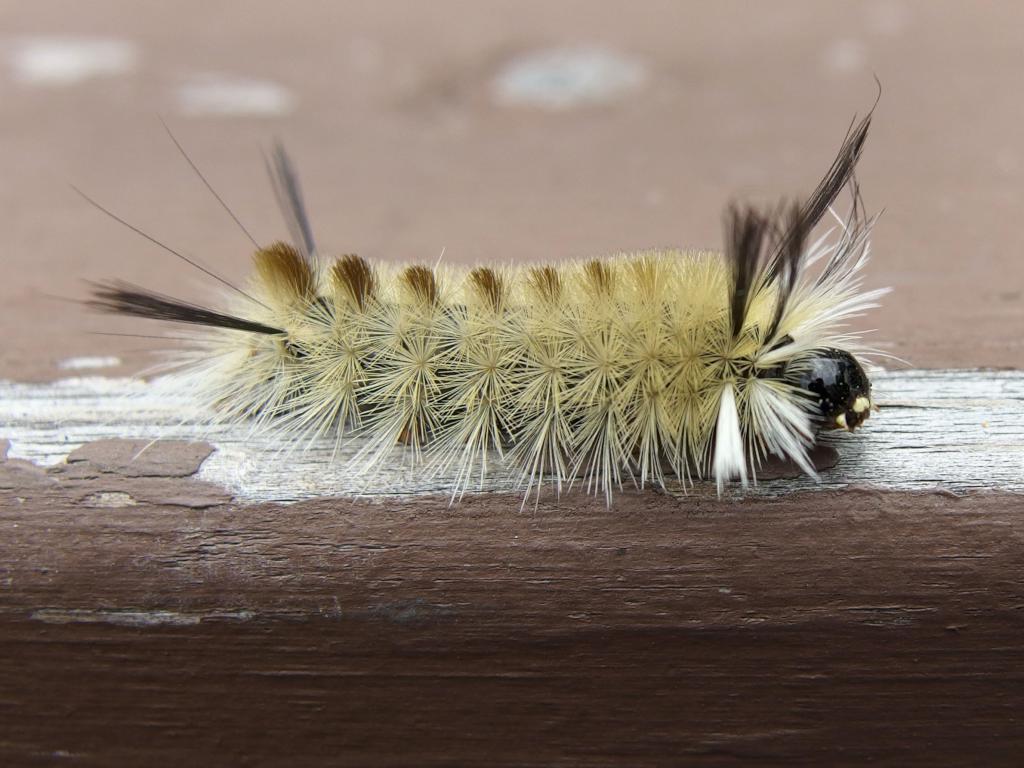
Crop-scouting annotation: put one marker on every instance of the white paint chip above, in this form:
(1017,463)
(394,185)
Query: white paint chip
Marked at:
(888,18)
(846,57)
(218,94)
(951,430)
(65,61)
(88,363)
(130,618)
(109,500)
(564,78)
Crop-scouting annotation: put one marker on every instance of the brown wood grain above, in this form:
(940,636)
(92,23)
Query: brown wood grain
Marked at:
(828,628)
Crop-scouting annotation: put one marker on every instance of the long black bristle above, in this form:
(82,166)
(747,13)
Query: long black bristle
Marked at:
(745,229)
(207,184)
(289,197)
(126,299)
(164,246)
(784,268)
(838,176)
(785,261)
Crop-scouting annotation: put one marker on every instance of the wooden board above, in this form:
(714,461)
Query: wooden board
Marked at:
(150,618)
(147,617)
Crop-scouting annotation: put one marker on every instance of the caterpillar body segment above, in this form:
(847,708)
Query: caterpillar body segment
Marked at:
(592,373)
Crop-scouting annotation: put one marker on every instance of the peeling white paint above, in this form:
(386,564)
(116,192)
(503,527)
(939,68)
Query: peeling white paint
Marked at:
(130,618)
(948,430)
(109,500)
(64,61)
(88,363)
(218,94)
(846,57)
(564,78)
(888,17)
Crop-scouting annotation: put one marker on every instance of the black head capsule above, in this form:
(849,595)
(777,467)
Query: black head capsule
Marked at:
(840,384)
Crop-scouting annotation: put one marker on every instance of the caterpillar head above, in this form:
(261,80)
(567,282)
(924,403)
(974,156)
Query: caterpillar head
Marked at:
(841,386)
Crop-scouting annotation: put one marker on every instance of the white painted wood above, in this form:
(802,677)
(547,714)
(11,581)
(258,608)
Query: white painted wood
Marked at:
(950,430)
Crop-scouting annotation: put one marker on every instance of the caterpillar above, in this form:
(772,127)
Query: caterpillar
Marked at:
(593,373)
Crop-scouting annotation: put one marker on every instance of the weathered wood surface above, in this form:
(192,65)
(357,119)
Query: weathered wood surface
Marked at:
(148,618)
(948,430)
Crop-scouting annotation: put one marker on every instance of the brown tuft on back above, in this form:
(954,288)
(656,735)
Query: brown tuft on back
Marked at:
(546,282)
(421,281)
(284,272)
(353,276)
(599,276)
(489,286)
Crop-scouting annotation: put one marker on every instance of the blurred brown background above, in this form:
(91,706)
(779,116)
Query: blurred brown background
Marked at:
(504,131)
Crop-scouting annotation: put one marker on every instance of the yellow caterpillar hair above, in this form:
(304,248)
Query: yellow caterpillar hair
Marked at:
(598,372)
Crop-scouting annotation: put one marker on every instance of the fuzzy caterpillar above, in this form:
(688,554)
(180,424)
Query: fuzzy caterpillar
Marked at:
(599,372)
